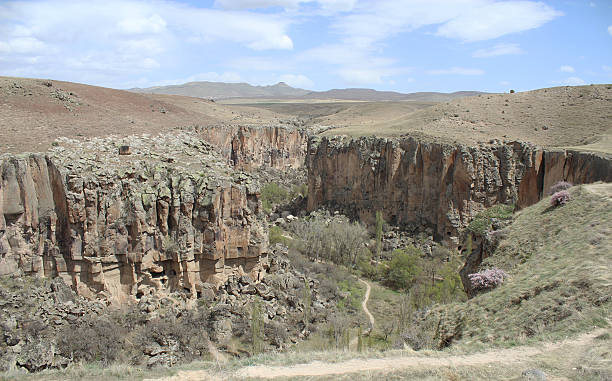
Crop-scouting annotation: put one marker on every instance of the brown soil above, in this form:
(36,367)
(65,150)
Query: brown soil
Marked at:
(35,112)
(556,117)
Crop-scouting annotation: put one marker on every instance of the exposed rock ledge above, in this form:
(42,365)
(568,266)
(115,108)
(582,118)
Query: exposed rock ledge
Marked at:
(254,147)
(441,186)
(169,216)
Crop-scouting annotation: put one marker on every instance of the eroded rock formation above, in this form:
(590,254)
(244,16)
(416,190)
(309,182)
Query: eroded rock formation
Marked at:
(171,215)
(252,147)
(437,185)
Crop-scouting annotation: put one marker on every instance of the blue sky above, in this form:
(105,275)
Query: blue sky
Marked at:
(401,45)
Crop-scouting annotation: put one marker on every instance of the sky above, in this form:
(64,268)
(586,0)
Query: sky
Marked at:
(400,45)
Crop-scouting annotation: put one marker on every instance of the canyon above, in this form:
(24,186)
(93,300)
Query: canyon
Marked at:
(419,183)
(182,211)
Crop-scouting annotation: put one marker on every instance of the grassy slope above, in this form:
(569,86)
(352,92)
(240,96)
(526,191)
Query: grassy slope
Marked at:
(560,266)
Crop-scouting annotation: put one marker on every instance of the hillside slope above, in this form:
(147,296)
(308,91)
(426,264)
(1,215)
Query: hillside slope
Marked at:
(579,116)
(35,112)
(559,262)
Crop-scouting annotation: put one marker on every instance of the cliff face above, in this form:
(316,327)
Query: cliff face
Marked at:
(122,226)
(251,147)
(437,185)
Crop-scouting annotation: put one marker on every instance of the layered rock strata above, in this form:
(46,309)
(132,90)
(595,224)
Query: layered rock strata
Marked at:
(441,186)
(254,147)
(169,216)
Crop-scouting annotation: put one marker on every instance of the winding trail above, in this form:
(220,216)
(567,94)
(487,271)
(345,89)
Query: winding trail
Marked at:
(364,304)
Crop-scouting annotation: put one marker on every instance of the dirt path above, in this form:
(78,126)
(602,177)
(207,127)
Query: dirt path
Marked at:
(364,304)
(391,364)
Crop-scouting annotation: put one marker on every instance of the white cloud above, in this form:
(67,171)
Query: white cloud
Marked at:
(610,30)
(22,45)
(498,50)
(497,19)
(141,25)
(356,66)
(456,71)
(566,69)
(297,80)
(112,41)
(571,81)
(592,4)
(362,31)
(467,20)
(330,5)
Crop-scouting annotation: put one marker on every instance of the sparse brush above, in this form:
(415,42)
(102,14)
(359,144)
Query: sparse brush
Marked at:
(487,279)
(559,186)
(560,198)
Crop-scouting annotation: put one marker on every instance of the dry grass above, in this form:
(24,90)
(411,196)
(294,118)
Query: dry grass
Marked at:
(34,115)
(555,117)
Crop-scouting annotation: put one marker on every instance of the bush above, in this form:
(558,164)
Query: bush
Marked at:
(403,269)
(484,220)
(559,186)
(487,279)
(560,198)
(272,194)
(276,235)
(94,340)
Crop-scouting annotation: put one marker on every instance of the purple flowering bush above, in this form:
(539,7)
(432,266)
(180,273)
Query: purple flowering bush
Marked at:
(559,186)
(487,279)
(560,198)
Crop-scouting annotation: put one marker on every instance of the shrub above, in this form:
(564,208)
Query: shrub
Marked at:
(487,279)
(402,270)
(484,220)
(273,194)
(559,186)
(95,339)
(560,198)
(276,235)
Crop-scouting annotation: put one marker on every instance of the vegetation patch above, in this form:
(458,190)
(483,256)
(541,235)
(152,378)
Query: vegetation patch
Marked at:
(484,220)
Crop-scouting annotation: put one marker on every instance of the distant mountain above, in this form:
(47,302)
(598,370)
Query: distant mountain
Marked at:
(374,95)
(221,90)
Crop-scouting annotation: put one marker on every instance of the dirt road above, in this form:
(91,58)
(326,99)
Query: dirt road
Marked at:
(396,363)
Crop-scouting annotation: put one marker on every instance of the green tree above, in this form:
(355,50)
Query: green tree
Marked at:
(402,270)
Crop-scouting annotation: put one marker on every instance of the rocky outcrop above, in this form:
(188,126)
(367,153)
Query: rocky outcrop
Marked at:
(44,324)
(437,185)
(169,216)
(252,147)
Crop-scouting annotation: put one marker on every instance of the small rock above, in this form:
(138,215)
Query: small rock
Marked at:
(534,375)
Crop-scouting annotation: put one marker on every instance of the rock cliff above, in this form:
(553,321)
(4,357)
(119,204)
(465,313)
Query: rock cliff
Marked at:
(170,215)
(425,184)
(253,147)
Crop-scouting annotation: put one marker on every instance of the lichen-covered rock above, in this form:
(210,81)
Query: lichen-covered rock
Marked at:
(437,185)
(170,216)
